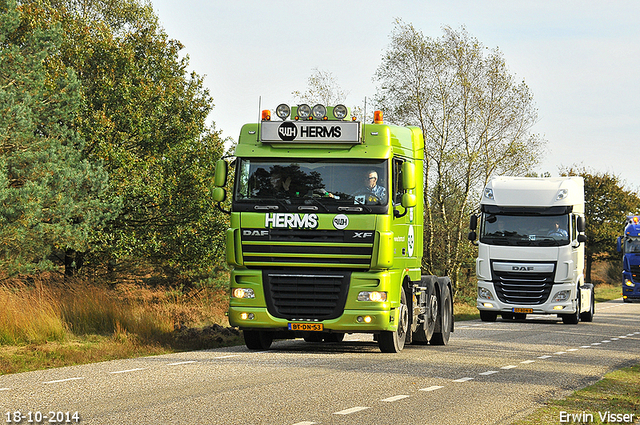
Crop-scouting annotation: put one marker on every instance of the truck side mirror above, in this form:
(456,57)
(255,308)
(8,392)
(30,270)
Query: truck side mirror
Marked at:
(472,236)
(619,244)
(220,175)
(408,175)
(582,224)
(473,222)
(582,238)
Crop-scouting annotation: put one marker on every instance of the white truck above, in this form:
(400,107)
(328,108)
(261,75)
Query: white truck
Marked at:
(530,237)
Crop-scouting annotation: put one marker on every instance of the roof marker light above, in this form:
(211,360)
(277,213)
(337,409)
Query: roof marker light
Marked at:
(266,115)
(562,194)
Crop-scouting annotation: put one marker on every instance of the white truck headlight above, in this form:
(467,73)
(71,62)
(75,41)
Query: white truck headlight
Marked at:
(485,293)
(561,296)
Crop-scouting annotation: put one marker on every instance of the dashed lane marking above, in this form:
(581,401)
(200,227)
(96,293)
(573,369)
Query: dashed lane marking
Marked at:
(179,363)
(395,398)
(465,379)
(559,353)
(544,357)
(63,380)
(511,366)
(489,372)
(128,370)
(351,410)
(528,362)
(431,388)
(305,423)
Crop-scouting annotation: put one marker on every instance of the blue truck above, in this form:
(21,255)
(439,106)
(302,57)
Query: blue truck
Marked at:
(629,245)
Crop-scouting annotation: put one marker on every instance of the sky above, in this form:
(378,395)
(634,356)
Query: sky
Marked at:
(580,60)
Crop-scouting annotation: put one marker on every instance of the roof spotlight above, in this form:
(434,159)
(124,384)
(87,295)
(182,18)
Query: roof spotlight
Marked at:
(282,111)
(340,112)
(319,112)
(304,111)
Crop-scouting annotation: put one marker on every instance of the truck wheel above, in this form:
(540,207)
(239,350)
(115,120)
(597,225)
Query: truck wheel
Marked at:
(257,340)
(488,316)
(424,333)
(393,341)
(574,318)
(587,316)
(445,319)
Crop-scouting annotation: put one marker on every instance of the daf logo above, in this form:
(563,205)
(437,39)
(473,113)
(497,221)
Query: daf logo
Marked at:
(287,131)
(261,233)
(362,235)
(522,268)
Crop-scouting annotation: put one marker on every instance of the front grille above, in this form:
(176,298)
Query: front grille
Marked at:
(305,295)
(307,248)
(634,269)
(519,287)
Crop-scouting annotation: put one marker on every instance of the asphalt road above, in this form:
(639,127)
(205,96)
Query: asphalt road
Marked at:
(490,373)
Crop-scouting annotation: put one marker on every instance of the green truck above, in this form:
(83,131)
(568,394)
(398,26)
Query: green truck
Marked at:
(326,229)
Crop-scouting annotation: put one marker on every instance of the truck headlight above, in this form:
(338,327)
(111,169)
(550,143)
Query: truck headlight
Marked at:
(243,293)
(629,283)
(485,293)
(377,296)
(561,296)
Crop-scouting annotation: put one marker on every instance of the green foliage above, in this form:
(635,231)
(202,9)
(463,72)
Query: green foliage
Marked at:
(51,198)
(607,204)
(475,119)
(133,113)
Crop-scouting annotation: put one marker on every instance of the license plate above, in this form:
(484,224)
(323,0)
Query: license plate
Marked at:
(523,310)
(313,327)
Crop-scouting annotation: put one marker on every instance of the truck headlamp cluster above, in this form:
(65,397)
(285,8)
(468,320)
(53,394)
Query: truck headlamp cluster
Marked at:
(377,296)
(484,293)
(629,283)
(488,193)
(243,293)
(561,296)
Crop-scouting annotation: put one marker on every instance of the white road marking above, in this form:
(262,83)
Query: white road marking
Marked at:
(489,372)
(585,346)
(395,398)
(305,423)
(179,363)
(350,411)
(615,339)
(596,343)
(431,388)
(572,349)
(630,334)
(559,352)
(226,357)
(528,361)
(544,357)
(606,340)
(5,389)
(128,370)
(622,336)
(63,380)
(511,366)
(465,379)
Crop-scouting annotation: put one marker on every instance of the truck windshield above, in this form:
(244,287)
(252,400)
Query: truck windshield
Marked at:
(632,245)
(325,183)
(538,230)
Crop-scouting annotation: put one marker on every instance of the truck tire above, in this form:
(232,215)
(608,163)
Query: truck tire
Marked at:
(441,337)
(424,333)
(257,340)
(573,318)
(488,316)
(393,341)
(587,316)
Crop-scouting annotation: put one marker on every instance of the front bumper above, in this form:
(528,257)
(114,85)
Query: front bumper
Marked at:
(549,307)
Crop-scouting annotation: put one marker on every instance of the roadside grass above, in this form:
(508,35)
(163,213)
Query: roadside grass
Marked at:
(48,323)
(51,323)
(617,393)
